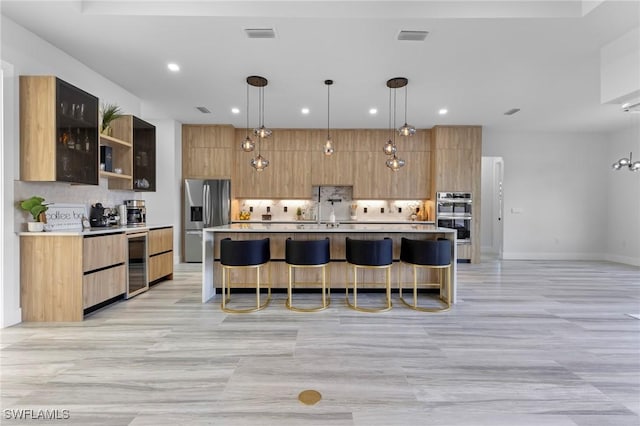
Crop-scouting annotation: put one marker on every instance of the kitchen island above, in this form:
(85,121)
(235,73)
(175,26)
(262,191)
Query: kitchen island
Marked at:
(278,233)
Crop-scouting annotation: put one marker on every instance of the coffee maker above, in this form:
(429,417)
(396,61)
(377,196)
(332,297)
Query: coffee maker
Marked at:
(136,212)
(97,218)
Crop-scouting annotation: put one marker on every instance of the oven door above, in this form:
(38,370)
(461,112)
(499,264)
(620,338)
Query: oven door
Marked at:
(137,273)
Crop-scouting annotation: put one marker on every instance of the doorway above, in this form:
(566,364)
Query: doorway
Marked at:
(492,207)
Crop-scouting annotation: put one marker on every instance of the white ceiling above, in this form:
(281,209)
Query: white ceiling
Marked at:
(481,58)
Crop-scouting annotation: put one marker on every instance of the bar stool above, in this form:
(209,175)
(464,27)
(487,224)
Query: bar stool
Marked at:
(369,254)
(431,254)
(307,254)
(244,254)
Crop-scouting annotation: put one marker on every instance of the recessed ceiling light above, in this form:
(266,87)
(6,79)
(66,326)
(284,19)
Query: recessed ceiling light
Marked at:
(373,111)
(173,67)
(305,110)
(443,111)
(235,110)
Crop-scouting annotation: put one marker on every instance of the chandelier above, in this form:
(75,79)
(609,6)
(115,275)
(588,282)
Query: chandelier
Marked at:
(259,162)
(390,148)
(328,145)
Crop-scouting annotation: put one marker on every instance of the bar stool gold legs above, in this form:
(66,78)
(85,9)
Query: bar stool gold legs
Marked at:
(326,290)
(430,254)
(354,305)
(446,305)
(244,254)
(307,254)
(226,291)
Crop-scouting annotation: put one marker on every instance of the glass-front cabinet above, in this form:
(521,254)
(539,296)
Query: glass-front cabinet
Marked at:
(58,131)
(77,134)
(144,155)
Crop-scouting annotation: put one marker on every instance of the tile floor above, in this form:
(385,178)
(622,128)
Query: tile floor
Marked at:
(530,343)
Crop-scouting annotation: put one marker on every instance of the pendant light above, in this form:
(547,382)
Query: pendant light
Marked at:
(389,148)
(634,166)
(328,145)
(624,162)
(260,163)
(247,144)
(395,163)
(406,129)
(262,132)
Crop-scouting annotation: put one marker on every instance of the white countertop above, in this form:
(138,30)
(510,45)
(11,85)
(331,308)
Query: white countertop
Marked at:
(323,228)
(95,231)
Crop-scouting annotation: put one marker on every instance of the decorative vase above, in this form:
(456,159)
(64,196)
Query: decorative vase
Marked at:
(107,130)
(35,226)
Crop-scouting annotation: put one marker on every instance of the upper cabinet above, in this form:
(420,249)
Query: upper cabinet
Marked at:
(457,157)
(58,131)
(133,149)
(207,151)
(144,155)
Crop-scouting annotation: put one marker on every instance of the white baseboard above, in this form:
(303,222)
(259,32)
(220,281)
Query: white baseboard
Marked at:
(12,317)
(627,260)
(552,256)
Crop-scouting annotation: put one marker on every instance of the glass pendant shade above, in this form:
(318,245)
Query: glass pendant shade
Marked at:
(634,166)
(407,130)
(259,163)
(262,132)
(389,148)
(395,163)
(248,145)
(328,147)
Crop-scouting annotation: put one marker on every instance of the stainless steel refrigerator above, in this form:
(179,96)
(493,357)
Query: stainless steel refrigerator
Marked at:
(206,203)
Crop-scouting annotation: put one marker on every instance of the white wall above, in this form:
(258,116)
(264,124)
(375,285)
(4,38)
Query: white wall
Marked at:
(622,210)
(559,181)
(163,206)
(25,53)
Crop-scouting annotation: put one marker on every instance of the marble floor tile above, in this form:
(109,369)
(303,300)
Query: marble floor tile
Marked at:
(530,343)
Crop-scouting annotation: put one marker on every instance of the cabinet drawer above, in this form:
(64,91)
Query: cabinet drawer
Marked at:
(103,285)
(160,240)
(100,252)
(160,266)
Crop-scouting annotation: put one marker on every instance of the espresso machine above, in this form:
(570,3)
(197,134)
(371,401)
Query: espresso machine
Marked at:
(136,212)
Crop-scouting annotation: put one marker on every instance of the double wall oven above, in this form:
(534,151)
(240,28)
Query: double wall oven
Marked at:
(455,210)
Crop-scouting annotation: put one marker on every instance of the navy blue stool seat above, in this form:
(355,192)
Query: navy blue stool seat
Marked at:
(307,254)
(244,254)
(369,254)
(431,254)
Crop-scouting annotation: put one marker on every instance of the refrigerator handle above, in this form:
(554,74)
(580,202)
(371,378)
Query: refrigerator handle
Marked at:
(204,204)
(207,204)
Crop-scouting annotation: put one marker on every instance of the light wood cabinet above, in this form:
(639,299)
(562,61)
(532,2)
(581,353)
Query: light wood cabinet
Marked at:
(207,151)
(58,132)
(456,164)
(160,253)
(62,275)
(288,174)
(133,143)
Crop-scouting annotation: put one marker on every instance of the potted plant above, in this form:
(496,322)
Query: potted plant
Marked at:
(298,213)
(109,112)
(36,208)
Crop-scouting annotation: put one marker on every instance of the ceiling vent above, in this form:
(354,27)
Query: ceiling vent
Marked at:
(512,111)
(260,32)
(412,35)
(203,110)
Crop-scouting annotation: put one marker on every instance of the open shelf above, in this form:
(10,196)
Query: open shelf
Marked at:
(114,175)
(110,140)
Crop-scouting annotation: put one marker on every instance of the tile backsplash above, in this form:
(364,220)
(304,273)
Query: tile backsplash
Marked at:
(336,198)
(58,192)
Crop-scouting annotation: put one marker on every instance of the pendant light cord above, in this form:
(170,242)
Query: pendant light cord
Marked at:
(247,107)
(394,116)
(405,104)
(328,108)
